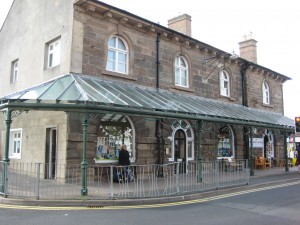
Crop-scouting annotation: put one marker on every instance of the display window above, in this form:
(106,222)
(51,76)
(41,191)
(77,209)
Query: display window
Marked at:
(114,130)
(225,148)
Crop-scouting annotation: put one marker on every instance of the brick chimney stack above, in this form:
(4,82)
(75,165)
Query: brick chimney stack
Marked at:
(248,48)
(182,24)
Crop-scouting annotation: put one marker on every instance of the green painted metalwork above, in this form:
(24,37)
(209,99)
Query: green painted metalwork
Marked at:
(85,124)
(8,122)
(286,152)
(93,93)
(251,153)
(200,128)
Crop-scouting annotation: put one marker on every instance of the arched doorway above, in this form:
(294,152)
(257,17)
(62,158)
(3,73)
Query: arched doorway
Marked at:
(180,146)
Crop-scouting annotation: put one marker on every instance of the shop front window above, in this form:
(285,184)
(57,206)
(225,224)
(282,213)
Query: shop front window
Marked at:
(225,148)
(114,131)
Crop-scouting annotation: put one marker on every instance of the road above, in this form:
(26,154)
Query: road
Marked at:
(276,205)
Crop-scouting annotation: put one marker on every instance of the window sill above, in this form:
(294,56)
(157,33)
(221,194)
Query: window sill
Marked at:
(179,88)
(119,75)
(267,105)
(228,97)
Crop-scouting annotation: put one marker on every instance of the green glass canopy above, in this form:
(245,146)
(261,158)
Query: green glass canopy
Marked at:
(73,92)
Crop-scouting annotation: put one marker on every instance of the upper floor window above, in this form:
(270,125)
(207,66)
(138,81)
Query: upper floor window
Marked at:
(224,83)
(117,56)
(15,143)
(266,92)
(181,72)
(14,71)
(53,53)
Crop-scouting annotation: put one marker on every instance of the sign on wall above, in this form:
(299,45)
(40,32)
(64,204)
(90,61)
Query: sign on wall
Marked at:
(257,142)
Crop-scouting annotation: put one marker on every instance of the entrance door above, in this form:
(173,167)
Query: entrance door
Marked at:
(180,149)
(50,156)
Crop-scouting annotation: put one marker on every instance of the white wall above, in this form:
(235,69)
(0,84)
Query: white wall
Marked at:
(30,24)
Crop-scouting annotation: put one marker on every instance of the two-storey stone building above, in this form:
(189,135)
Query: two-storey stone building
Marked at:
(166,95)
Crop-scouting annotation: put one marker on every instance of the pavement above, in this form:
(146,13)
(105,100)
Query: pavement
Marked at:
(261,178)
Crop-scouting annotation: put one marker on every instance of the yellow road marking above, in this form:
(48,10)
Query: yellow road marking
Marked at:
(151,205)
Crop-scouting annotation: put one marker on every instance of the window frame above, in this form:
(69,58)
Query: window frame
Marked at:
(117,52)
(183,70)
(53,55)
(15,141)
(266,92)
(224,91)
(15,71)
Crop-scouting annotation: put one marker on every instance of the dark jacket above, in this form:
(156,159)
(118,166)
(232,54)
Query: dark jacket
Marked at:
(124,157)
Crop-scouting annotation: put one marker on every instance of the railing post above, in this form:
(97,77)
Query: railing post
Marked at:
(111,181)
(252,153)
(200,127)
(217,173)
(5,178)
(38,173)
(177,177)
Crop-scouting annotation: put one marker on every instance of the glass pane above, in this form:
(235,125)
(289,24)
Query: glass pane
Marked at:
(177,76)
(122,67)
(111,55)
(184,78)
(110,66)
(225,84)
(190,153)
(182,63)
(122,58)
(121,45)
(112,42)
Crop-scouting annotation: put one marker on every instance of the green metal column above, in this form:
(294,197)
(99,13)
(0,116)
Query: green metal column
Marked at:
(251,153)
(200,128)
(85,124)
(8,122)
(286,152)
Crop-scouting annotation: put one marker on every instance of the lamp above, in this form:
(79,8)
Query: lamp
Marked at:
(232,56)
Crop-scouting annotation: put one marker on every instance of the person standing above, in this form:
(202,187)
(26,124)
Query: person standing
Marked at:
(124,156)
(125,162)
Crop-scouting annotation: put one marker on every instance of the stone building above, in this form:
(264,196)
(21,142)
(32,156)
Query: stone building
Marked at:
(157,89)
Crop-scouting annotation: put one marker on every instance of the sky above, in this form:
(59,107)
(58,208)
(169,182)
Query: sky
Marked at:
(274,24)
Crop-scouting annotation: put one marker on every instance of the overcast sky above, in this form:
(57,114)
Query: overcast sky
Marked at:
(275,25)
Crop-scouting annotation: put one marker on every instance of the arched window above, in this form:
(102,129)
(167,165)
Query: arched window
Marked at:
(181,72)
(117,56)
(225,146)
(224,83)
(114,130)
(266,92)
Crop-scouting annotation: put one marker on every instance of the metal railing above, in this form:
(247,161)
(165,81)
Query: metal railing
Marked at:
(36,180)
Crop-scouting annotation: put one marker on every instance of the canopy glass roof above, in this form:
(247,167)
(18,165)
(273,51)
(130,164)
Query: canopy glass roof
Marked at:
(88,90)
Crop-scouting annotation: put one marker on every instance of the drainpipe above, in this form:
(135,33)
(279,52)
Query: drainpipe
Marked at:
(158,132)
(245,104)
(244,84)
(157,59)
